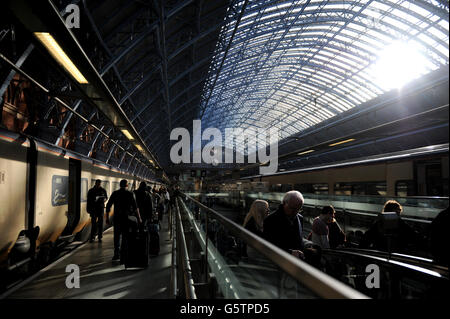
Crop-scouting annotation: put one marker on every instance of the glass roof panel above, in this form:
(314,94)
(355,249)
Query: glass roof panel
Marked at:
(293,64)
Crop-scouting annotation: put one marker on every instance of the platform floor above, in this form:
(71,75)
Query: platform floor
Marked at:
(102,278)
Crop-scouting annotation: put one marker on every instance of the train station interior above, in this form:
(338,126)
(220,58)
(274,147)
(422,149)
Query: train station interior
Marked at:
(228,120)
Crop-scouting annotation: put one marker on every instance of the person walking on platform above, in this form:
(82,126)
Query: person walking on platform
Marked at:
(96,198)
(144,202)
(156,201)
(160,208)
(166,197)
(124,206)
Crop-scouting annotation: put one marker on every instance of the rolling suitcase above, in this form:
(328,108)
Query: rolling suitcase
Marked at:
(137,251)
(153,230)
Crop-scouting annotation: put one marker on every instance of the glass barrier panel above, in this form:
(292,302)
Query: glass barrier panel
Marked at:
(240,270)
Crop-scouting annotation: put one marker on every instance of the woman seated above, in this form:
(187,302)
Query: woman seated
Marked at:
(254,222)
(320,229)
(255,217)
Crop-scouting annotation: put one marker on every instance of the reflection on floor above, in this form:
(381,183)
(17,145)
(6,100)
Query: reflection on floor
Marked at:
(102,278)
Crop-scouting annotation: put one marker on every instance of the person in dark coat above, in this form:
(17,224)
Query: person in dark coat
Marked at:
(283,228)
(439,237)
(96,198)
(337,236)
(401,239)
(124,206)
(144,202)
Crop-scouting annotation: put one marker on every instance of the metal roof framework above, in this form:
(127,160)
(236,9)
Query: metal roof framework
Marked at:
(294,64)
(157,53)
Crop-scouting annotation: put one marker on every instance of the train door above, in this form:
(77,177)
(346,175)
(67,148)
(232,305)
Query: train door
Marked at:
(74,196)
(429,178)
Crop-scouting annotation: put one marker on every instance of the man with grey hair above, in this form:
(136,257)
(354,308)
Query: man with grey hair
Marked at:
(283,228)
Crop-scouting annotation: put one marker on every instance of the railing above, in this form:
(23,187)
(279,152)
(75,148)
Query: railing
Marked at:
(398,276)
(173,238)
(266,271)
(182,258)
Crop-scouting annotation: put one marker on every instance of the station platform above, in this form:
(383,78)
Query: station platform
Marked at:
(100,277)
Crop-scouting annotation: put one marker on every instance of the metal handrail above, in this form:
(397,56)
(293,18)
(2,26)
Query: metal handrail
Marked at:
(422,266)
(174,274)
(187,271)
(320,283)
(354,195)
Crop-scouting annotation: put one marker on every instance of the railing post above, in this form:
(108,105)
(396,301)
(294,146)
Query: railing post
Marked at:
(213,286)
(205,269)
(174,278)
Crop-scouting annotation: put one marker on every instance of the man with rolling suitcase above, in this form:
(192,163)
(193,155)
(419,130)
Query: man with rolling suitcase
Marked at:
(124,222)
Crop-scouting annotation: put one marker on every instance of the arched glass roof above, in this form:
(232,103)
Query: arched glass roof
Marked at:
(293,64)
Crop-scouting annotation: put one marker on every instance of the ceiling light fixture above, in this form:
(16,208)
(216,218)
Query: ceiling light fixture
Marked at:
(127,134)
(305,152)
(342,142)
(59,55)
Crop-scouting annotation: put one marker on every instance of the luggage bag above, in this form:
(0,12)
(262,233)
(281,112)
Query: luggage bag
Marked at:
(137,252)
(154,248)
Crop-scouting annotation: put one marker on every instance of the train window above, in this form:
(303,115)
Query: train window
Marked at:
(360,188)
(320,188)
(60,188)
(84,189)
(376,188)
(105,185)
(342,189)
(405,188)
(281,188)
(275,188)
(115,186)
(286,187)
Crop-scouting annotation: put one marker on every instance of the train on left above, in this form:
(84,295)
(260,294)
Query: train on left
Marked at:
(43,197)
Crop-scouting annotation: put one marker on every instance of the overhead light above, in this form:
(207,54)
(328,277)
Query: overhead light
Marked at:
(305,152)
(342,142)
(127,134)
(58,53)
(139,147)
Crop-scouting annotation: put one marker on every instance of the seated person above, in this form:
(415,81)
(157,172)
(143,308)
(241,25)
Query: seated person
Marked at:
(320,229)
(255,217)
(401,239)
(254,222)
(336,236)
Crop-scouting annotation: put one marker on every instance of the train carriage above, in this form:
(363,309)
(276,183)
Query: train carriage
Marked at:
(43,197)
